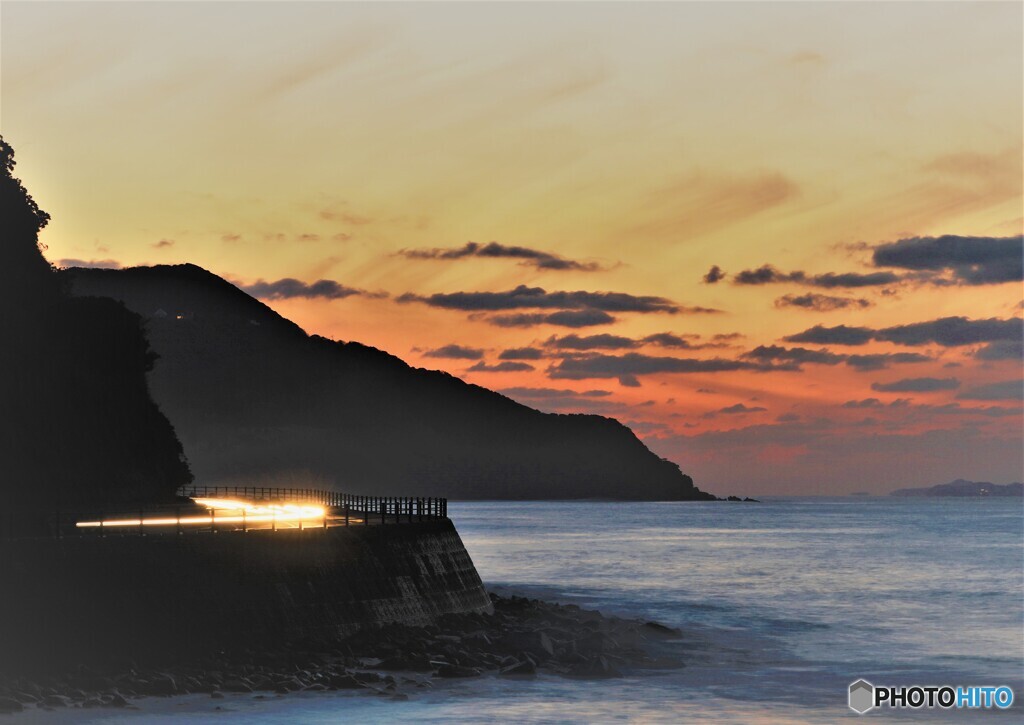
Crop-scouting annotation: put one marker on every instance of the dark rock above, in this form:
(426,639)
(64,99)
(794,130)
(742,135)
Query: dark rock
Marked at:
(661,630)
(597,668)
(116,700)
(160,685)
(8,704)
(55,701)
(413,663)
(344,682)
(452,671)
(519,669)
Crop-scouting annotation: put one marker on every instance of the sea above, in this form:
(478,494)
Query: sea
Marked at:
(782,605)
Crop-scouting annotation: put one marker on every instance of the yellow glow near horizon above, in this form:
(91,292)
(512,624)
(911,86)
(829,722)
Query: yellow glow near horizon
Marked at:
(240,512)
(646,141)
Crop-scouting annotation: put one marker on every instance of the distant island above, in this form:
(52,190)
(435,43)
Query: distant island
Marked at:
(964,489)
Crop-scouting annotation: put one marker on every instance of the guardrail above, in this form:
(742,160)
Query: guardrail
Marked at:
(385,506)
(339,509)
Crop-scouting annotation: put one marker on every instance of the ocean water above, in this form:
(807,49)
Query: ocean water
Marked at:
(782,605)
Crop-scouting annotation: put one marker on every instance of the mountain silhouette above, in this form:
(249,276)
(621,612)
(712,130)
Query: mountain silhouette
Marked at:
(77,424)
(257,401)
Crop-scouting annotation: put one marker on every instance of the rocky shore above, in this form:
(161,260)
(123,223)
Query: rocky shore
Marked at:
(521,639)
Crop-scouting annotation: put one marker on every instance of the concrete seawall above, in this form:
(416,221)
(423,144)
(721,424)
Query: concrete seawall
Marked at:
(124,595)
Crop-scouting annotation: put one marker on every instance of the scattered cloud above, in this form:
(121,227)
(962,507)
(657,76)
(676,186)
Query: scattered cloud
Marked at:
(741,409)
(853,279)
(507,366)
(617,342)
(521,353)
(945,331)
(289,288)
(89,263)
(838,335)
(532,257)
(523,297)
(865,403)
(768,274)
(917,385)
(603,341)
(881,361)
(1002,350)
(455,352)
(714,275)
(626,367)
(1002,390)
(548,393)
(952,332)
(564,318)
(967,260)
(821,303)
(667,339)
(163,244)
(794,357)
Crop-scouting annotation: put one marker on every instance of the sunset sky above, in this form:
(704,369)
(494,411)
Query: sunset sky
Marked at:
(781,241)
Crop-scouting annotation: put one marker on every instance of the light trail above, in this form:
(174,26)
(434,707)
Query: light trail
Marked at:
(234,512)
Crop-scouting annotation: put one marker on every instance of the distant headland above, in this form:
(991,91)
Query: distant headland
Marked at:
(255,399)
(965,489)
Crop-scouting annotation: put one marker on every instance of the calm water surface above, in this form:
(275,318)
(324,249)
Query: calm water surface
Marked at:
(782,605)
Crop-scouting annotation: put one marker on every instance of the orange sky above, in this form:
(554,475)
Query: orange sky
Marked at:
(603,148)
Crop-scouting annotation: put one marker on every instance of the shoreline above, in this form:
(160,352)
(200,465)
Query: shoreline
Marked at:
(521,639)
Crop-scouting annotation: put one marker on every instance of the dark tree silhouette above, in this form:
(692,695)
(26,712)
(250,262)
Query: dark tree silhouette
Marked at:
(77,425)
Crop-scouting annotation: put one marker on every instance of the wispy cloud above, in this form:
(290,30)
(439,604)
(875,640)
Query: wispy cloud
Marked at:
(506,366)
(945,331)
(821,303)
(455,352)
(521,353)
(523,297)
(289,288)
(89,263)
(702,203)
(1002,390)
(917,385)
(768,274)
(564,318)
(533,257)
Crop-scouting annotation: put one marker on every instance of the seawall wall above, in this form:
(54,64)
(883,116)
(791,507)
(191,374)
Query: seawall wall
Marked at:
(124,594)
